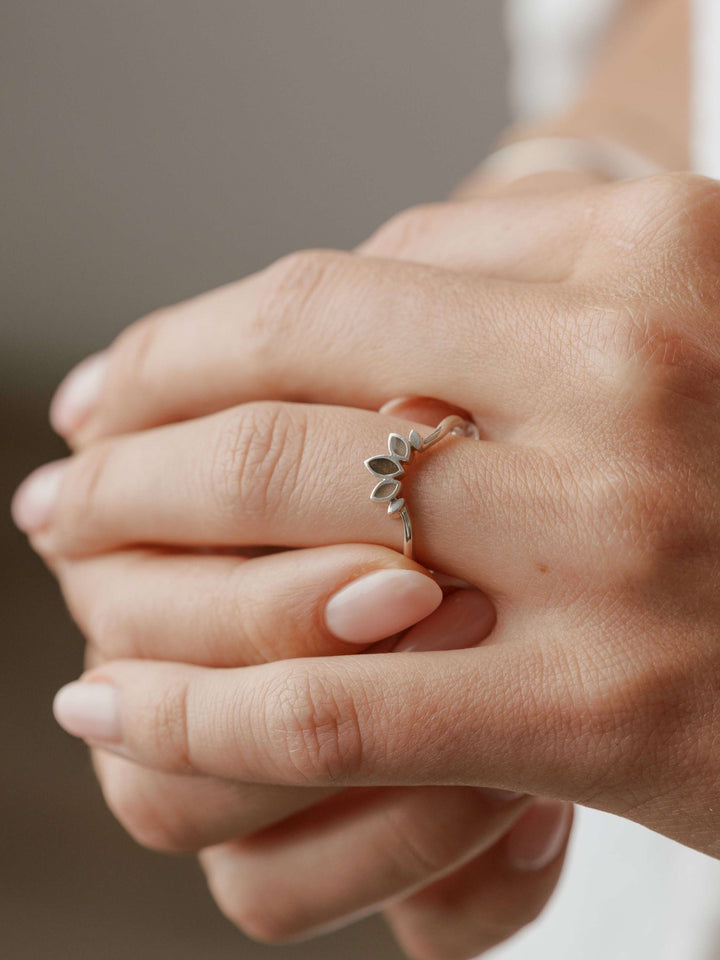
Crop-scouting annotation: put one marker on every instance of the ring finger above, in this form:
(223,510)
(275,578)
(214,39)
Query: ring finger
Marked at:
(293,475)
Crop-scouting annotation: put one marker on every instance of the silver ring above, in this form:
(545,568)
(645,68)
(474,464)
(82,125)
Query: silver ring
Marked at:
(389,467)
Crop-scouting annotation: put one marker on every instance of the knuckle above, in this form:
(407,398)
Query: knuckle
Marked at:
(666,368)
(257,459)
(289,291)
(660,229)
(406,231)
(640,525)
(646,363)
(689,193)
(668,200)
(314,725)
(676,223)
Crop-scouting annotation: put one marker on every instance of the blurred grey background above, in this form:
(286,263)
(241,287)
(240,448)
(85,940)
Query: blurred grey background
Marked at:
(151,150)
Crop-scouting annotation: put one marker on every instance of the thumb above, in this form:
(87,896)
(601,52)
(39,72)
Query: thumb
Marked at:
(486,716)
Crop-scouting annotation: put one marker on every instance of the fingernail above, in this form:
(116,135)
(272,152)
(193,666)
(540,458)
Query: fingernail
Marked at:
(539,836)
(380,604)
(35,498)
(500,796)
(89,710)
(464,619)
(78,393)
(393,404)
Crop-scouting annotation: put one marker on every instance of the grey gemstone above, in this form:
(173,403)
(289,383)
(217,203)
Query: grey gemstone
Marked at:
(398,446)
(385,490)
(384,466)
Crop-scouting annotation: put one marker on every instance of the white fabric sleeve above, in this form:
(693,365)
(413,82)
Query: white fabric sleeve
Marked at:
(551,43)
(705,139)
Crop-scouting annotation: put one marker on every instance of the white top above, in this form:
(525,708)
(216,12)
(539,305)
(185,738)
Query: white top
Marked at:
(626,893)
(552,40)
(706,87)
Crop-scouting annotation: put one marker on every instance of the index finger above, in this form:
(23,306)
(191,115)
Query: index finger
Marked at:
(293,475)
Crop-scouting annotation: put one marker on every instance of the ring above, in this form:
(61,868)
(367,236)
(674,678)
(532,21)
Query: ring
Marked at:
(389,467)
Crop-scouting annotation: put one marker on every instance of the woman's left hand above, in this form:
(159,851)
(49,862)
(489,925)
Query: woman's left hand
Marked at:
(589,511)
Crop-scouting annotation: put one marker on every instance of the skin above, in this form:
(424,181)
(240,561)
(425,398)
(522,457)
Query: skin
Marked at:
(588,514)
(446,892)
(394,843)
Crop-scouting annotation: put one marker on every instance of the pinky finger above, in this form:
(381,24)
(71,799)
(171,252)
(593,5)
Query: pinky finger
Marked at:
(492,897)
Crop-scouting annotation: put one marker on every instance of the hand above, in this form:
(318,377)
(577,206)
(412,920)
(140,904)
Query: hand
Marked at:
(176,813)
(409,846)
(395,842)
(688,206)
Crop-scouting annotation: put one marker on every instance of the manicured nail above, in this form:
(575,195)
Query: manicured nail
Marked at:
(500,796)
(394,404)
(380,604)
(464,619)
(78,393)
(539,836)
(35,498)
(89,710)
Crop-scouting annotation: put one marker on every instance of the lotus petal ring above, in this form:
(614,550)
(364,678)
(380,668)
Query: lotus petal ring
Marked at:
(389,467)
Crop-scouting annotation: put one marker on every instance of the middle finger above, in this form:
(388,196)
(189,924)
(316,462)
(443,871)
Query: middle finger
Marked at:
(327,327)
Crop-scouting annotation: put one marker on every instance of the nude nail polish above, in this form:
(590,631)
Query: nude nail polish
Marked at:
(464,619)
(33,503)
(380,604)
(89,710)
(78,394)
(539,836)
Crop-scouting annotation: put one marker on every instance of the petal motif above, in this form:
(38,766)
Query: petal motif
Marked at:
(415,439)
(384,466)
(396,505)
(385,490)
(398,446)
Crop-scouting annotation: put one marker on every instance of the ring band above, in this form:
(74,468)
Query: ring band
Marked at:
(389,467)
